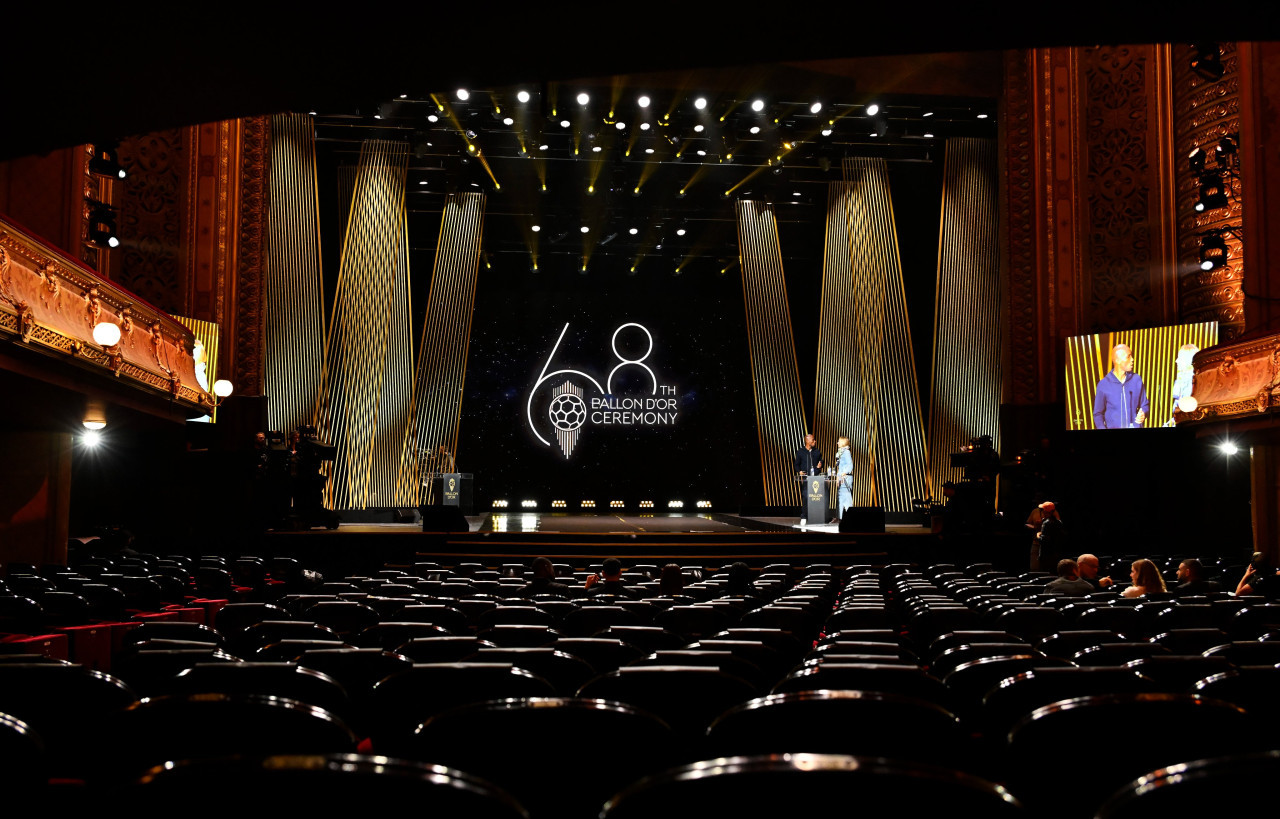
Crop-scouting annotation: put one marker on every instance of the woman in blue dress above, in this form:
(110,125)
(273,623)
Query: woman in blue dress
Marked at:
(844,474)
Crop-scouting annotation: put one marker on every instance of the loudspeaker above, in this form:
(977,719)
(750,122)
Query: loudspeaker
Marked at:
(863,519)
(443,519)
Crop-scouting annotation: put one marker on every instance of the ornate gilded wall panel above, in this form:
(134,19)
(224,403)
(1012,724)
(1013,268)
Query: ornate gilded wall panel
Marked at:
(1204,112)
(1118,188)
(1021,225)
(150,203)
(246,284)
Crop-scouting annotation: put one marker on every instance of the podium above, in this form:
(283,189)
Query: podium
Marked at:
(816,497)
(452,489)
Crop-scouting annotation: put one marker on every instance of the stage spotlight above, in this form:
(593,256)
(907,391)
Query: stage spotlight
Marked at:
(621,126)
(616,504)
(757,105)
(1228,448)
(595,149)
(697,129)
(508,121)
(522,95)
(633,231)
(543,148)
(675,504)
(1196,160)
(464,94)
(564,123)
(91,438)
(1213,192)
(1213,251)
(826,132)
(643,102)
(646,504)
(499,504)
(583,98)
(928,136)
(432,118)
(815,108)
(585,229)
(102,225)
(588,504)
(536,228)
(1206,61)
(701,152)
(700,103)
(982,116)
(755,129)
(648,150)
(644,126)
(704,504)
(680,232)
(529,504)
(557,504)
(872,109)
(105,163)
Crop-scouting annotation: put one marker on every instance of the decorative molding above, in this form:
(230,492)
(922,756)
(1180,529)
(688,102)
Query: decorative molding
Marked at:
(50,300)
(1021,223)
(255,165)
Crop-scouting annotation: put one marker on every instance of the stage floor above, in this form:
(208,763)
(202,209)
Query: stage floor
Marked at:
(564,523)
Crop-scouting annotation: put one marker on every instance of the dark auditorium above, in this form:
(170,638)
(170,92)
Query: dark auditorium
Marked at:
(418,410)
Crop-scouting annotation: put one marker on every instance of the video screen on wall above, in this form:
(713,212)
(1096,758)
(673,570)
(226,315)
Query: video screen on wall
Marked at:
(1132,379)
(609,390)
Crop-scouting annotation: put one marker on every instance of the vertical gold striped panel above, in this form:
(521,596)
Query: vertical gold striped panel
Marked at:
(775,377)
(965,396)
(890,395)
(442,357)
(365,394)
(293,288)
(839,408)
(1155,353)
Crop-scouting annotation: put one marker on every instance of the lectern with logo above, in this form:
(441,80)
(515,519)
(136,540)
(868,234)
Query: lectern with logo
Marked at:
(815,504)
(452,489)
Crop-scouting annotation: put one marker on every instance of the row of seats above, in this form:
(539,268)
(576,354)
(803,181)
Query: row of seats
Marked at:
(851,663)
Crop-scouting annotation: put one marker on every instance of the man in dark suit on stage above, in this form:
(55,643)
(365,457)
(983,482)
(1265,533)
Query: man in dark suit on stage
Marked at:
(808,457)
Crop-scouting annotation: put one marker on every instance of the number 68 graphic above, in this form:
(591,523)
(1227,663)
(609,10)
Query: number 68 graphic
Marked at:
(608,388)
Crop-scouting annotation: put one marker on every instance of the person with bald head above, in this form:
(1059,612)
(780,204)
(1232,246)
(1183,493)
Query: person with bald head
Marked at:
(1087,567)
(1121,401)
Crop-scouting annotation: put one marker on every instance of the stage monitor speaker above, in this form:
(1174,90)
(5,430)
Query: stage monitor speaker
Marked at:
(866,519)
(406,514)
(443,519)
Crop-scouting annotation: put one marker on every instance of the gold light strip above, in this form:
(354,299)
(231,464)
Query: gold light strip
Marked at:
(775,378)
(446,336)
(838,400)
(1155,352)
(966,376)
(896,452)
(293,289)
(368,344)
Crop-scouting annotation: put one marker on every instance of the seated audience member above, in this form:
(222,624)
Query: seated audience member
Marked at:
(1191,579)
(1087,566)
(1068,582)
(609,581)
(1260,578)
(740,580)
(1146,579)
(672,581)
(544,581)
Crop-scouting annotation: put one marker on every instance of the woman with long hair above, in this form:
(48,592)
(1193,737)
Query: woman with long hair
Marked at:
(1146,579)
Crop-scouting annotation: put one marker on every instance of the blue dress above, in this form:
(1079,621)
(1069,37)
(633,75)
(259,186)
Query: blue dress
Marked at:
(844,472)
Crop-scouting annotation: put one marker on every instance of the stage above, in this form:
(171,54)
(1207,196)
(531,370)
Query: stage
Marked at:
(689,538)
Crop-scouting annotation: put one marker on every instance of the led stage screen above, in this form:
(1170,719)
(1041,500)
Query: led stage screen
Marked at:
(630,389)
(1156,367)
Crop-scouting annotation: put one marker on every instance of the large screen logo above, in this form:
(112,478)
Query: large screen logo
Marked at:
(578,400)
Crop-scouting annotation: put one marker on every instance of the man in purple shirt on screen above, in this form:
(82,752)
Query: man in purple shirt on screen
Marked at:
(1121,402)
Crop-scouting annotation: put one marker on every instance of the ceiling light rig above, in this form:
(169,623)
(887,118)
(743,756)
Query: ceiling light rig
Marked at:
(1214,252)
